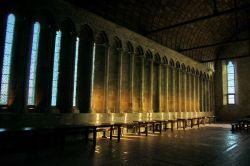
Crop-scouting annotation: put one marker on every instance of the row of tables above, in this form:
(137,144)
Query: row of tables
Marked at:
(59,133)
(243,123)
(195,121)
(181,123)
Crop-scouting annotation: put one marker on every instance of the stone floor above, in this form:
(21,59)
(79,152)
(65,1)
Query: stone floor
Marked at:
(210,145)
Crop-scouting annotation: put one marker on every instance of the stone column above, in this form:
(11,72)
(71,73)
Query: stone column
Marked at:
(181,104)
(190,90)
(185,90)
(131,92)
(212,96)
(66,70)
(198,93)
(120,54)
(142,85)
(205,94)
(174,92)
(179,90)
(106,78)
(159,88)
(194,94)
(20,55)
(209,95)
(202,92)
(151,85)
(166,89)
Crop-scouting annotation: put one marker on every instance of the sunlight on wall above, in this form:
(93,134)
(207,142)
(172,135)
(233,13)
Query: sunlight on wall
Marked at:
(140,116)
(97,118)
(125,117)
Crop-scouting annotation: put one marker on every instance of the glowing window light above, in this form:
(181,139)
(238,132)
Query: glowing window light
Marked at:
(92,73)
(231,83)
(8,46)
(75,71)
(33,63)
(56,68)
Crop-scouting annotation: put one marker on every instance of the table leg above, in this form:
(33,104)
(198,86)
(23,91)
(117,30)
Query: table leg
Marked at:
(119,132)
(94,136)
(139,128)
(111,132)
(160,126)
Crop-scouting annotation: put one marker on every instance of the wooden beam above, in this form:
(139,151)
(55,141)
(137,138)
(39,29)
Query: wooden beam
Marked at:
(213,45)
(220,59)
(198,19)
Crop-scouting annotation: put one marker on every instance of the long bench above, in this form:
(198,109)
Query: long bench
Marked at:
(11,138)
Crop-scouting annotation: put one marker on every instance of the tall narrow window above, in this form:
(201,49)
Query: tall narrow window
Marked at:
(33,63)
(231,83)
(56,68)
(93,73)
(8,45)
(75,71)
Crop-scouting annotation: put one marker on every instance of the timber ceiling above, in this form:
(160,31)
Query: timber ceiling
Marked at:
(195,28)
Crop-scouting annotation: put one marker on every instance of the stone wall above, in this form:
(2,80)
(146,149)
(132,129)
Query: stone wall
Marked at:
(234,112)
(122,75)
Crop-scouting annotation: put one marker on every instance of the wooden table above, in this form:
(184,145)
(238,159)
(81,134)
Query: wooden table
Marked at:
(58,133)
(183,121)
(197,120)
(93,128)
(161,123)
(172,121)
(146,125)
(211,119)
(244,123)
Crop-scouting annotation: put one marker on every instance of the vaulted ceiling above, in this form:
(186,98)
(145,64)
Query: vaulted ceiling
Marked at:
(196,28)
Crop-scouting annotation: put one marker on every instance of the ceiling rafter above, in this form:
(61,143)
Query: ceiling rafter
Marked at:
(214,44)
(229,11)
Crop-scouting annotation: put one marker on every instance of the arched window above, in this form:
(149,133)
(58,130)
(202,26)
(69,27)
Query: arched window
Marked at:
(7,57)
(33,63)
(56,68)
(75,71)
(230,83)
(93,73)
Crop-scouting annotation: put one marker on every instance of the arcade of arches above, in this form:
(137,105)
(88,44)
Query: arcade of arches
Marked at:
(99,71)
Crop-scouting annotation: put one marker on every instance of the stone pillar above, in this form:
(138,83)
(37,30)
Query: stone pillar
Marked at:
(142,85)
(106,78)
(174,92)
(151,85)
(44,69)
(198,93)
(205,94)
(190,91)
(212,96)
(85,83)
(202,92)
(178,90)
(20,56)
(166,89)
(121,53)
(194,94)
(185,90)
(131,92)
(209,95)
(159,88)
(66,69)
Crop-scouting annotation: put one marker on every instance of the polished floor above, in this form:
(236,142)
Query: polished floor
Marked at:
(205,146)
